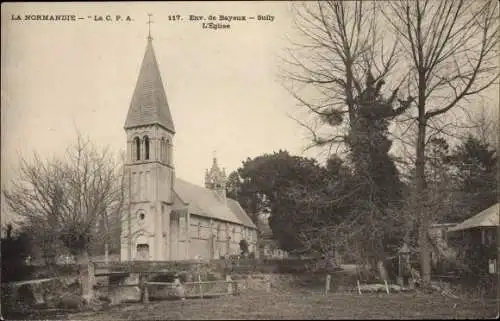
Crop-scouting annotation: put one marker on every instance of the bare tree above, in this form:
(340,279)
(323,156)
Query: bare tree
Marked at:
(337,48)
(451,49)
(65,199)
(486,126)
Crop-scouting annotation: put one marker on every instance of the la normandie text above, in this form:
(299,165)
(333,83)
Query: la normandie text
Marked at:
(48,17)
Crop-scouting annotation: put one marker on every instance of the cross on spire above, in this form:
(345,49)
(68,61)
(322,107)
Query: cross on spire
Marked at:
(149,26)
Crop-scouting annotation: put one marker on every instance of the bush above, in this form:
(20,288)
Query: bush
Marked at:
(244,247)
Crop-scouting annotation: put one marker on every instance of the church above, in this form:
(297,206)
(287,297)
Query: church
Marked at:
(167,218)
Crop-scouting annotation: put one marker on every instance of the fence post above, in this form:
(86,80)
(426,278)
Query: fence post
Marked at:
(386,287)
(86,277)
(144,288)
(327,283)
(235,287)
(91,279)
(229,284)
(201,286)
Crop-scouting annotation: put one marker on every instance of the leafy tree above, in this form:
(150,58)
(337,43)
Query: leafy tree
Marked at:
(475,166)
(259,182)
(268,183)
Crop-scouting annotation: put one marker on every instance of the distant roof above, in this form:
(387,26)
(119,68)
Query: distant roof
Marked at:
(205,202)
(441,225)
(488,217)
(149,103)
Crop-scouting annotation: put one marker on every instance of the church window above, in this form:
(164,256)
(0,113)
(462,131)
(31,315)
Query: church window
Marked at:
(162,149)
(218,233)
(167,151)
(146,147)
(182,227)
(137,145)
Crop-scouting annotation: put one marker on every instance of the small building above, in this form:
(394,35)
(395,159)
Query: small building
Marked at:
(476,238)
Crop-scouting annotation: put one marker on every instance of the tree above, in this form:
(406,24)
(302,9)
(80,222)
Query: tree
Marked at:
(336,71)
(264,183)
(338,47)
(450,49)
(64,199)
(260,181)
(475,166)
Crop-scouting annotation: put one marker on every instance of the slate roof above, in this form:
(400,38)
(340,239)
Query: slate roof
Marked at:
(488,217)
(149,102)
(205,202)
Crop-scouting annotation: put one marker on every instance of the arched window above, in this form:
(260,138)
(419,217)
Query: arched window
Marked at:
(167,151)
(162,149)
(137,144)
(146,147)
(219,234)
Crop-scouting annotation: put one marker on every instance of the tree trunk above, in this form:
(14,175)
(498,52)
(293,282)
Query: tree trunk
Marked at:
(82,260)
(497,241)
(423,217)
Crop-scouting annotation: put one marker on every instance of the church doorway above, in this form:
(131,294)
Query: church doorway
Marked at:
(142,252)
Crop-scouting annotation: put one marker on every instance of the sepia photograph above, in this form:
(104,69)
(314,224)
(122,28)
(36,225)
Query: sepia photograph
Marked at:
(228,160)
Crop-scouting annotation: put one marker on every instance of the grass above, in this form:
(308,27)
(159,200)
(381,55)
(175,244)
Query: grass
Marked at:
(297,305)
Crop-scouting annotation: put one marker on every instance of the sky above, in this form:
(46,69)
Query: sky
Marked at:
(222,85)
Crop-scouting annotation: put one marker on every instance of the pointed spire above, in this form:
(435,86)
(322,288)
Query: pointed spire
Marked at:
(215,177)
(149,102)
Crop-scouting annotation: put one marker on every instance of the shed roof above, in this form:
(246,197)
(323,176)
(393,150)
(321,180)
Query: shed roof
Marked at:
(488,217)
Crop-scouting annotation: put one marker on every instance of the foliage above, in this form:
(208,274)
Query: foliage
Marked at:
(461,180)
(243,247)
(317,209)
(445,52)
(14,250)
(475,165)
(450,53)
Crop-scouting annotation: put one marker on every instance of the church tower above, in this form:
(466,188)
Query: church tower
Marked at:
(149,168)
(215,179)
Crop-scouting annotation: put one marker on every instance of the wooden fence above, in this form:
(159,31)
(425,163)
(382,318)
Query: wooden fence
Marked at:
(147,269)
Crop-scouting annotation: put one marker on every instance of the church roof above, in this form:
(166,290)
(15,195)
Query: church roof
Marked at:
(205,202)
(149,102)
